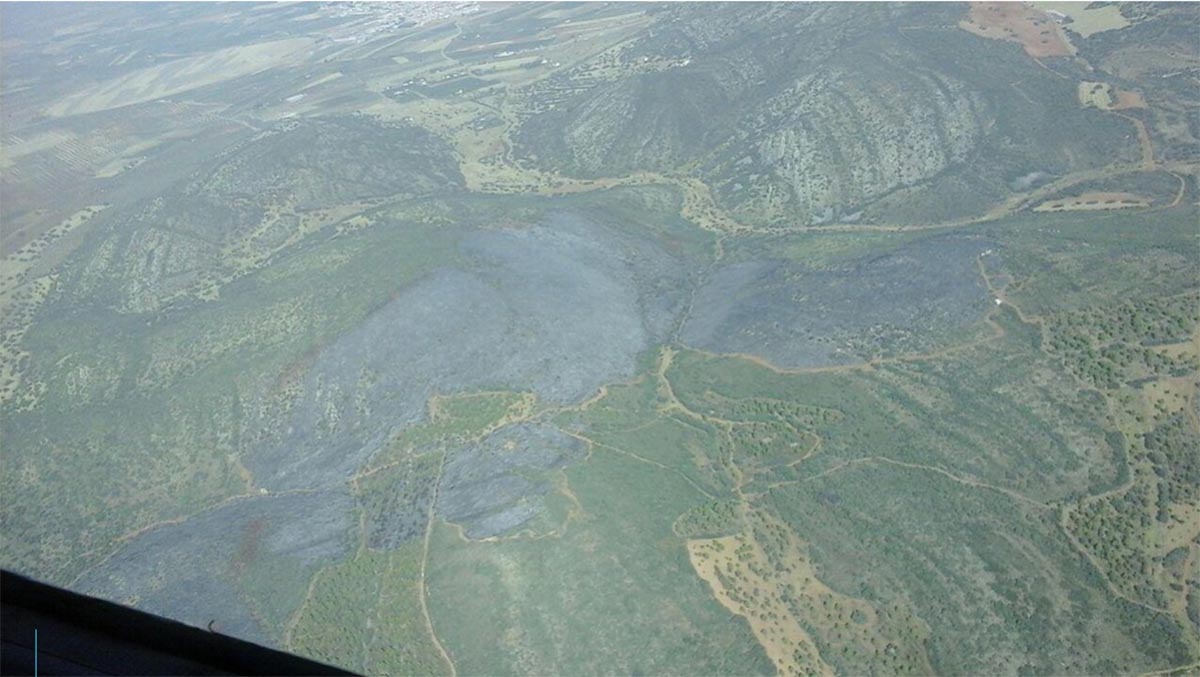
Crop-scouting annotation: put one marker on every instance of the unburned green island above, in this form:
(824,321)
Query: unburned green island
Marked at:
(612,338)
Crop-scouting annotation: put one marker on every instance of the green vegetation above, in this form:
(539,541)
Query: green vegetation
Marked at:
(1108,347)
(365,615)
(493,604)
(710,520)
(607,338)
(456,419)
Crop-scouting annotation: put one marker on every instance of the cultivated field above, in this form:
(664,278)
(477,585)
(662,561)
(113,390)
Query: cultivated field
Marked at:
(761,339)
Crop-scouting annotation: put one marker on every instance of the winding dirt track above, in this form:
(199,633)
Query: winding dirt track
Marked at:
(424,585)
(1143,137)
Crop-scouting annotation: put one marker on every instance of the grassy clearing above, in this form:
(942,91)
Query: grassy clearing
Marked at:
(1097,95)
(620,568)
(1087,20)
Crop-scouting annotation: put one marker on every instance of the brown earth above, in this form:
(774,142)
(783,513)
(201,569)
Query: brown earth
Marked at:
(1093,201)
(1016,22)
(1126,99)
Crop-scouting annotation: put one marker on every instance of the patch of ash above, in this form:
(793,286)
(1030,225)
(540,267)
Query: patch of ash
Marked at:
(190,571)
(499,485)
(558,308)
(794,317)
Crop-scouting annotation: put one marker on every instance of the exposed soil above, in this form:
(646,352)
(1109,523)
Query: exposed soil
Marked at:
(1016,22)
(1092,202)
(1127,99)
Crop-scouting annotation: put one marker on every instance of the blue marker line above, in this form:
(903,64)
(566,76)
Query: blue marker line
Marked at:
(35,652)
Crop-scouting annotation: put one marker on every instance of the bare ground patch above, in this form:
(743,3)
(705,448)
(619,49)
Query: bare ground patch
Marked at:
(765,574)
(782,637)
(1104,96)
(1093,202)
(1016,22)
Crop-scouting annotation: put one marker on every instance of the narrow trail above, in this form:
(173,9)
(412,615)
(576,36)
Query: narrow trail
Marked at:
(370,639)
(869,365)
(424,585)
(1190,409)
(563,485)
(364,474)
(1065,510)
(121,540)
(1043,65)
(1014,495)
(584,438)
(813,451)
(1143,137)
(997,293)
(1182,190)
(1020,91)
(966,481)
(601,393)
(442,52)
(1087,554)
(666,357)
(218,115)
(998,332)
(701,208)
(675,404)
(289,634)
(1110,493)
(1168,672)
